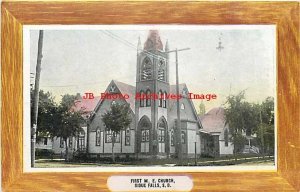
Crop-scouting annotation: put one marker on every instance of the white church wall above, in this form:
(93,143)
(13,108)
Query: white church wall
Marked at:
(144,111)
(191,139)
(225,150)
(198,147)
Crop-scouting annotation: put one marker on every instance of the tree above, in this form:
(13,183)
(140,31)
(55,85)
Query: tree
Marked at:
(241,116)
(116,119)
(265,130)
(67,121)
(47,109)
(201,108)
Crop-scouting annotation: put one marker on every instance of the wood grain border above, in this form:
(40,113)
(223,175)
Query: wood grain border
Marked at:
(284,14)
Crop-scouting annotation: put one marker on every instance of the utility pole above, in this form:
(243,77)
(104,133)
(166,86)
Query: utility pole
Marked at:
(36,96)
(178,148)
(262,132)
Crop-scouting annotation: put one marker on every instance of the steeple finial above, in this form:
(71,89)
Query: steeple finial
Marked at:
(167,46)
(139,45)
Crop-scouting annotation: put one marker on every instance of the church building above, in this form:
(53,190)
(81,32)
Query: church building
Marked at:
(152,132)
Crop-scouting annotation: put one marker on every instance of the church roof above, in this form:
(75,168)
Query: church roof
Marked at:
(153,41)
(173,91)
(127,89)
(214,120)
(183,86)
(86,105)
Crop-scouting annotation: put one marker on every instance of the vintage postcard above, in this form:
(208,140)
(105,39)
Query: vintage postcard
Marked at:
(134,97)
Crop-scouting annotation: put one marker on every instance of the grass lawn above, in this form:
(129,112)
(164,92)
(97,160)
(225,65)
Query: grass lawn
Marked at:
(220,161)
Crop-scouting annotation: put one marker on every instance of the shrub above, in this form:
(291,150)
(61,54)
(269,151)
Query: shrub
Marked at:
(46,153)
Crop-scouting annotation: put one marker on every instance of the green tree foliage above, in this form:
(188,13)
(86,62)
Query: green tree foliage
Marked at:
(58,120)
(266,129)
(116,119)
(47,109)
(241,116)
(68,121)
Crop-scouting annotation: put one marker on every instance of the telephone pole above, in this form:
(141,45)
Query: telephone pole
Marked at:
(36,96)
(178,147)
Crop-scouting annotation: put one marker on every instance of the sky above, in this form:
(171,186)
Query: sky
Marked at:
(80,60)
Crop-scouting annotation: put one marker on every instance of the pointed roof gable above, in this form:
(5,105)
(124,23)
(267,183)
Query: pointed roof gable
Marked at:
(123,88)
(183,86)
(127,89)
(153,41)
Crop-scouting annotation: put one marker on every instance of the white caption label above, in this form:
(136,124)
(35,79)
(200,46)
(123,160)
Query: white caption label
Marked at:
(150,183)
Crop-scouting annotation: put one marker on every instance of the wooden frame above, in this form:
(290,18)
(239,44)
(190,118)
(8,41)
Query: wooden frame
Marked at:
(284,14)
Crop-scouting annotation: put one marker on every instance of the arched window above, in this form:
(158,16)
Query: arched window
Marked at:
(98,137)
(161,74)
(81,140)
(165,100)
(142,99)
(148,98)
(226,137)
(113,102)
(161,130)
(182,106)
(160,100)
(145,135)
(127,136)
(146,73)
(109,136)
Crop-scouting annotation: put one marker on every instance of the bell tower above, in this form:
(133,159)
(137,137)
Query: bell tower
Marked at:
(152,84)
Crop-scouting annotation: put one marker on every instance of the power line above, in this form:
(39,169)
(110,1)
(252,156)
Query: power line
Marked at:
(128,44)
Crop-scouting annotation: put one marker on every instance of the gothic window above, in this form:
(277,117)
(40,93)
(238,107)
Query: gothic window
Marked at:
(161,75)
(117,137)
(148,97)
(182,106)
(146,69)
(108,136)
(183,137)
(112,89)
(161,130)
(161,135)
(81,140)
(160,96)
(142,99)
(127,136)
(165,100)
(98,137)
(226,137)
(145,135)
(113,102)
